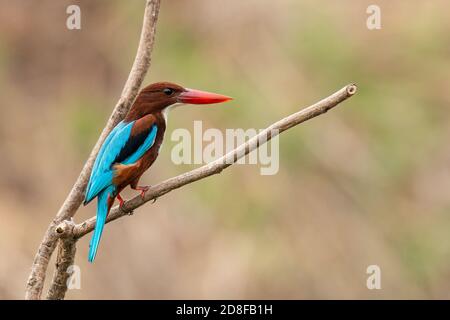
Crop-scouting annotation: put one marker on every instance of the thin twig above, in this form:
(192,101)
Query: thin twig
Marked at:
(73,201)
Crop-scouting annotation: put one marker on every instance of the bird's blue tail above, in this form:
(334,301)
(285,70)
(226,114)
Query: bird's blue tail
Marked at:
(102,213)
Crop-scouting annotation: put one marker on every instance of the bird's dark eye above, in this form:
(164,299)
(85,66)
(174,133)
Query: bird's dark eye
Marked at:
(168,91)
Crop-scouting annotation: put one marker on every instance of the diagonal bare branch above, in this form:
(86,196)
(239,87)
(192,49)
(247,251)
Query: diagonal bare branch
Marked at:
(222,163)
(73,201)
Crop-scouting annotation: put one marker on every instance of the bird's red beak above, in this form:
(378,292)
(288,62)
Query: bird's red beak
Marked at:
(193,96)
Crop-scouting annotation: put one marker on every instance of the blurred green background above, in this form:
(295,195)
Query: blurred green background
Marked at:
(367,183)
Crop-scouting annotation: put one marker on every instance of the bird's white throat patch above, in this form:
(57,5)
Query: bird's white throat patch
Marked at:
(166,111)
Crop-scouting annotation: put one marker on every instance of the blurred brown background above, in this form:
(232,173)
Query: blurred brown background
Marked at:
(367,183)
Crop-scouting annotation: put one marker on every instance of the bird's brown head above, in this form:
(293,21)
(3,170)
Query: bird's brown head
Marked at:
(157,97)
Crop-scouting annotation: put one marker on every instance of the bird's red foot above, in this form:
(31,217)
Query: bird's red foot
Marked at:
(142,189)
(121,201)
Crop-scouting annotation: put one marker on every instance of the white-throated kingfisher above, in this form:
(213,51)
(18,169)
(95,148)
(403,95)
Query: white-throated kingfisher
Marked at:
(133,145)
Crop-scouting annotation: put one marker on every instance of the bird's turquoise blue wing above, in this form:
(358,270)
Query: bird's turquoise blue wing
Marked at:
(102,174)
(98,159)
(126,144)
